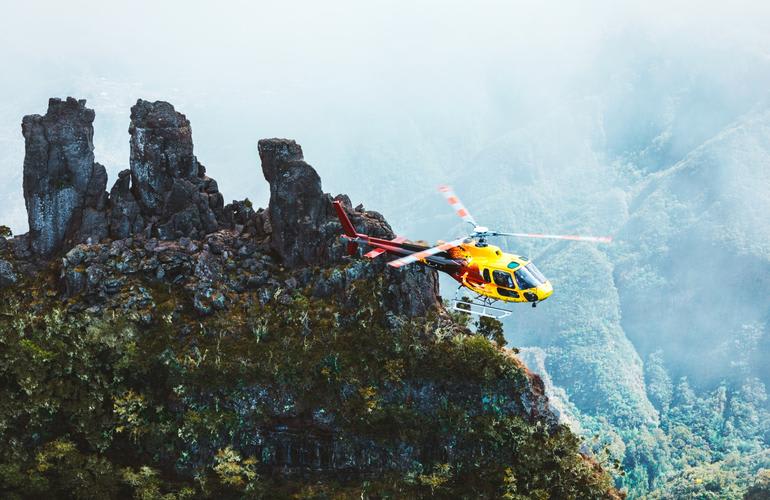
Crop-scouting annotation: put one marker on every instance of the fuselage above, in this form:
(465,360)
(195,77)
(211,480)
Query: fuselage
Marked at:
(487,270)
(482,268)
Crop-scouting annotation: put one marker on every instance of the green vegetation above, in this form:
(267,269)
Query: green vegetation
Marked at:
(707,446)
(492,329)
(189,407)
(673,437)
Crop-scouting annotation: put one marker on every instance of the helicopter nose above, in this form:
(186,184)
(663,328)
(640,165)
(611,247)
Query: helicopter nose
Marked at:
(545,290)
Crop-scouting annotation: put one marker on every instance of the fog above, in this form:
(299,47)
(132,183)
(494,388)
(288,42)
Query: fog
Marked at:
(399,95)
(546,116)
(648,122)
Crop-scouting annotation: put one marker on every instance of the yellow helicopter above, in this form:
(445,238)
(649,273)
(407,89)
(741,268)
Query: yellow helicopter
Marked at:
(491,274)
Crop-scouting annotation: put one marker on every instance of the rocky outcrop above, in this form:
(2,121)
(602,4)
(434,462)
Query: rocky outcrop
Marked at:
(305,229)
(297,206)
(64,189)
(167,196)
(169,184)
(304,226)
(165,193)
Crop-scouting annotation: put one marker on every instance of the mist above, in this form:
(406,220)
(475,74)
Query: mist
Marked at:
(394,90)
(648,122)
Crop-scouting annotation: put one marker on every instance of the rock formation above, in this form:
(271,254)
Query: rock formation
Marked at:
(125,214)
(167,196)
(64,189)
(306,230)
(297,204)
(304,224)
(168,182)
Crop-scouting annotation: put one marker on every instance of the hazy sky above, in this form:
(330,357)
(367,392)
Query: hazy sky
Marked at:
(418,82)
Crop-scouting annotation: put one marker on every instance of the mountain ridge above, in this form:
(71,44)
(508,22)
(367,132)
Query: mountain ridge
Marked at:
(170,344)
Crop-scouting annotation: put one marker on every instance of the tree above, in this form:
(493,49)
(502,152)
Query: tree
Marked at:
(492,329)
(760,490)
(659,386)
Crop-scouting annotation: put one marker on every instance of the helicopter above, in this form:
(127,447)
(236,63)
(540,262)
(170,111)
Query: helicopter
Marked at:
(493,276)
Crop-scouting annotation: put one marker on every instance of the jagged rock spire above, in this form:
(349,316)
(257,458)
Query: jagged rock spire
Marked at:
(297,202)
(305,228)
(168,182)
(64,189)
(306,231)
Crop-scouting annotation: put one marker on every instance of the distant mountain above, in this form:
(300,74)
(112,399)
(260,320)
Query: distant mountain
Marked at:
(693,259)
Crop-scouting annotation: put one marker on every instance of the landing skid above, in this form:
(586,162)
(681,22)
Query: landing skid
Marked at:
(479,306)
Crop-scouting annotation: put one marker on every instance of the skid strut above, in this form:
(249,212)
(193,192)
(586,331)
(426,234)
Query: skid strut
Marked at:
(479,306)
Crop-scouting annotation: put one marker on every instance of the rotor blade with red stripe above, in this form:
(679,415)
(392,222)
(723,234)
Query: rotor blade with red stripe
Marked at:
(425,253)
(594,239)
(460,209)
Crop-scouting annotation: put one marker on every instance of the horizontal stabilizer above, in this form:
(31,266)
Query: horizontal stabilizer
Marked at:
(374,253)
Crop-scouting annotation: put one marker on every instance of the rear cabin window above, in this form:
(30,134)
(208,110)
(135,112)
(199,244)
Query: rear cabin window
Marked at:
(508,293)
(486,276)
(503,278)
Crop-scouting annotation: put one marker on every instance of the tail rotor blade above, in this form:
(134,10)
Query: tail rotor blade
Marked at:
(458,206)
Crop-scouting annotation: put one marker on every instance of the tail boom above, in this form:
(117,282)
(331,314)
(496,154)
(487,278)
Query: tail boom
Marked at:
(397,247)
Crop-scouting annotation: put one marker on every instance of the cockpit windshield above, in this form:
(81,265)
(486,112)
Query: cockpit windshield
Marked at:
(536,272)
(528,277)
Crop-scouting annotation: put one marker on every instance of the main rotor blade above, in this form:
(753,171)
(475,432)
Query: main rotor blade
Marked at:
(460,209)
(408,259)
(594,239)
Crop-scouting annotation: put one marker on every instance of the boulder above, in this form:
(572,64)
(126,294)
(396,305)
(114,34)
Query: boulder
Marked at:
(64,189)
(7,274)
(125,215)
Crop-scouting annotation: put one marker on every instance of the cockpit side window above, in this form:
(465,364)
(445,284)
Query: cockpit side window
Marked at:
(503,278)
(524,279)
(486,276)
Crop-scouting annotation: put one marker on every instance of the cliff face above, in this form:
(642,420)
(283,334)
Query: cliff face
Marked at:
(185,347)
